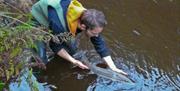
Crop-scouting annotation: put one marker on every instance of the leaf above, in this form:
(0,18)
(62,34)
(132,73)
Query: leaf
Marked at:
(15,52)
(30,42)
(18,67)
(11,68)
(2,33)
(7,46)
(35,86)
(2,86)
(1,49)
(33,83)
(30,73)
(7,75)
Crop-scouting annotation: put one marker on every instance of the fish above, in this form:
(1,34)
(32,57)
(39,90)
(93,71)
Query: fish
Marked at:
(103,72)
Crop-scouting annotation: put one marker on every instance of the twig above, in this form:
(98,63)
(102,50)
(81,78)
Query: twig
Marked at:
(1,14)
(14,21)
(14,7)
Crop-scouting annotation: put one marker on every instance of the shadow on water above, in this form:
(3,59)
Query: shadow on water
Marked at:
(144,38)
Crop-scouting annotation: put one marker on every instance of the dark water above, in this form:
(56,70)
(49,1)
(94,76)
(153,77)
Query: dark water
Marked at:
(144,38)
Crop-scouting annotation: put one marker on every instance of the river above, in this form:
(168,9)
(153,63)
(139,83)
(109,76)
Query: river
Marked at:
(144,39)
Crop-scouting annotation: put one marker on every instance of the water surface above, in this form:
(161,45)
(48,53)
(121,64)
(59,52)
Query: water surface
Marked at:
(144,38)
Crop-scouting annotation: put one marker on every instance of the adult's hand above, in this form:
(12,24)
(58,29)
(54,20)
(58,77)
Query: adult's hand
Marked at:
(64,54)
(80,64)
(112,66)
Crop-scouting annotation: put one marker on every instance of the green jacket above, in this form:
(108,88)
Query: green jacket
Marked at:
(40,11)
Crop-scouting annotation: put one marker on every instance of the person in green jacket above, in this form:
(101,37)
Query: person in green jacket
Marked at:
(69,16)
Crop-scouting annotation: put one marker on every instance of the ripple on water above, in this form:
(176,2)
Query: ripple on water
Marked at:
(158,80)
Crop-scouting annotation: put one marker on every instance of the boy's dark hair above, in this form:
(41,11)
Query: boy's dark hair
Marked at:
(93,18)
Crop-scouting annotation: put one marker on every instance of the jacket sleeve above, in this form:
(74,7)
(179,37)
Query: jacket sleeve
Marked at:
(56,27)
(100,46)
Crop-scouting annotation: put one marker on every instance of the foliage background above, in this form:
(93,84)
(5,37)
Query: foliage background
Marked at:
(17,36)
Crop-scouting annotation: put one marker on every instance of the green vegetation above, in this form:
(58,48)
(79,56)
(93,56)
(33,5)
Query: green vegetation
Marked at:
(16,38)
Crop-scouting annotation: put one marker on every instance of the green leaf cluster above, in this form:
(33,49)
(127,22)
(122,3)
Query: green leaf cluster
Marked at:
(16,35)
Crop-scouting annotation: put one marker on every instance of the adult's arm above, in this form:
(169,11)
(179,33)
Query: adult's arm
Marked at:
(56,27)
(100,46)
(103,51)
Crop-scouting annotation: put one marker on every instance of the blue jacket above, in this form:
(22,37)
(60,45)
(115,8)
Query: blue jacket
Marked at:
(56,27)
